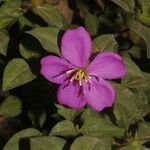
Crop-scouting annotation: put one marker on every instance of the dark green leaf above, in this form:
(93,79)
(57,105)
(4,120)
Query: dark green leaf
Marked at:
(143,32)
(47,37)
(127,5)
(16,73)
(91,23)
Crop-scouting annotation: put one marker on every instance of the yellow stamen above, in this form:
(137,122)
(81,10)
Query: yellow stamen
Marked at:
(80,75)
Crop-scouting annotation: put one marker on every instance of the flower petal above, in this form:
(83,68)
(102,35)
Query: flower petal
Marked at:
(53,69)
(107,65)
(76,46)
(99,94)
(71,95)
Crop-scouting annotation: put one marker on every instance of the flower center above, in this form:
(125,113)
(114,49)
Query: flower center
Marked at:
(79,75)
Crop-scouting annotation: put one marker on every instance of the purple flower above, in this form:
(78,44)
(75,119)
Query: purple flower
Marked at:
(82,82)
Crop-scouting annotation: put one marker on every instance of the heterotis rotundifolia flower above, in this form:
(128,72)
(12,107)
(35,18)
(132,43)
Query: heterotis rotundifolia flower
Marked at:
(82,81)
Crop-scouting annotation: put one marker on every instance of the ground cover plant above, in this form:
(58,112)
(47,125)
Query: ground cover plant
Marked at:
(74,74)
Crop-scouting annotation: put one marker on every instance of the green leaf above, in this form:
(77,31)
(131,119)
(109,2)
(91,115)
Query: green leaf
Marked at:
(97,125)
(4,39)
(10,11)
(143,132)
(90,143)
(132,68)
(16,73)
(11,107)
(91,23)
(129,106)
(13,143)
(133,72)
(64,128)
(27,53)
(138,147)
(47,143)
(143,32)
(68,113)
(105,42)
(127,5)
(37,115)
(131,81)
(50,15)
(47,36)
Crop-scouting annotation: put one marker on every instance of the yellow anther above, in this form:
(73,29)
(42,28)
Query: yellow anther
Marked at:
(80,75)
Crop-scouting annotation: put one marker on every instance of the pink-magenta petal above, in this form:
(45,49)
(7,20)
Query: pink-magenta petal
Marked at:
(76,46)
(71,95)
(107,65)
(54,69)
(99,94)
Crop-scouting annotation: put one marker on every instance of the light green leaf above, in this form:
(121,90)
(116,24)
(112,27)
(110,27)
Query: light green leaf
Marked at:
(16,73)
(127,5)
(105,42)
(64,128)
(68,113)
(47,36)
(91,23)
(11,107)
(90,143)
(50,15)
(13,143)
(143,32)
(99,126)
(47,143)
(4,39)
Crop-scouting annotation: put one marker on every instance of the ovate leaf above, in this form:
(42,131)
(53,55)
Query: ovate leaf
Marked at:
(11,107)
(47,143)
(16,73)
(47,36)
(143,32)
(127,5)
(64,128)
(50,15)
(96,125)
(4,39)
(143,132)
(105,42)
(90,143)
(68,113)
(91,23)
(13,143)
(129,106)
(10,11)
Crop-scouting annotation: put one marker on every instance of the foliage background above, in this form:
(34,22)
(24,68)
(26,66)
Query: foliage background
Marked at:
(30,117)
